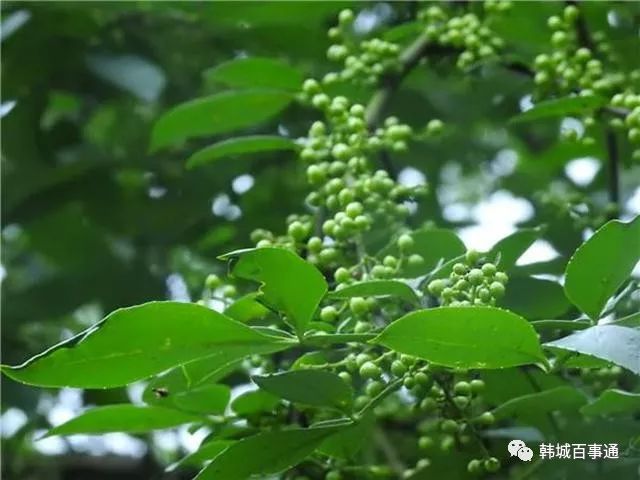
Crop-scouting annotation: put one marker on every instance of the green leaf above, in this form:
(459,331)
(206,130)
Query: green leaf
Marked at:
(310,387)
(289,284)
(615,344)
(433,244)
(265,453)
(239,146)
(348,442)
(378,289)
(123,418)
(601,264)
(540,325)
(560,107)
(560,398)
(207,399)
(613,401)
(219,113)
(511,248)
(254,402)
(134,343)
(632,320)
(255,72)
(465,337)
(535,298)
(205,453)
(246,309)
(162,389)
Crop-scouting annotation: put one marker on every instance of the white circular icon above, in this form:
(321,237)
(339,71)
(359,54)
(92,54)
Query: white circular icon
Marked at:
(514,446)
(525,454)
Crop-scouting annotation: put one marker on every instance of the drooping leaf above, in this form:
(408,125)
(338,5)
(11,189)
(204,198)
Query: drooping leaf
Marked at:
(206,452)
(289,284)
(560,107)
(511,248)
(220,113)
(134,343)
(613,343)
(535,298)
(528,406)
(433,245)
(465,337)
(123,418)
(378,289)
(311,387)
(265,453)
(601,264)
(239,146)
(254,402)
(255,72)
(613,401)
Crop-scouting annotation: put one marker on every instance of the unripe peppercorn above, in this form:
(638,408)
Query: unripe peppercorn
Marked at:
(374,388)
(423,379)
(462,388)
(416,260)
(398,368)
(486,419)
(358,305)
(471,257)
(362,358)
(492,465)
(405,242)
(213,281)
(328,314)
(449,426)
(475,276)
(497,289)
(436,287)
(475,466)
(342,275)
(477,386)
(370,370)
(229,291)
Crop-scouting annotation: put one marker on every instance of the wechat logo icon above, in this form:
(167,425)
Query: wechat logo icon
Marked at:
(517,448)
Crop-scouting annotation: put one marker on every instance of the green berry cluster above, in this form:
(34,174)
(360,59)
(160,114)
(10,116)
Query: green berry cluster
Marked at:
(578,68)
(601,379)
(348,195)
(471,282)
(631,122)
(364,62)
(468,33)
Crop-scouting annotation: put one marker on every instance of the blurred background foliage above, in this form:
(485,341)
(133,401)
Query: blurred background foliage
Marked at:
(93,221)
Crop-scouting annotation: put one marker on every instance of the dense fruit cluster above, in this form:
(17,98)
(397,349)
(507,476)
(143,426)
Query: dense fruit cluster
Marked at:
(631,122)
(349,197)
(364,62)
(467,34)
(348,194)
(470,283)
(587,65)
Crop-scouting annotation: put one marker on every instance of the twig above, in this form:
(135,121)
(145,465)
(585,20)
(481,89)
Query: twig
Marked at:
(614,172)
(389,451)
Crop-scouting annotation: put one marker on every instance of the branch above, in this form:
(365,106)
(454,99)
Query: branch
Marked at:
(409,58)
(614,171)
